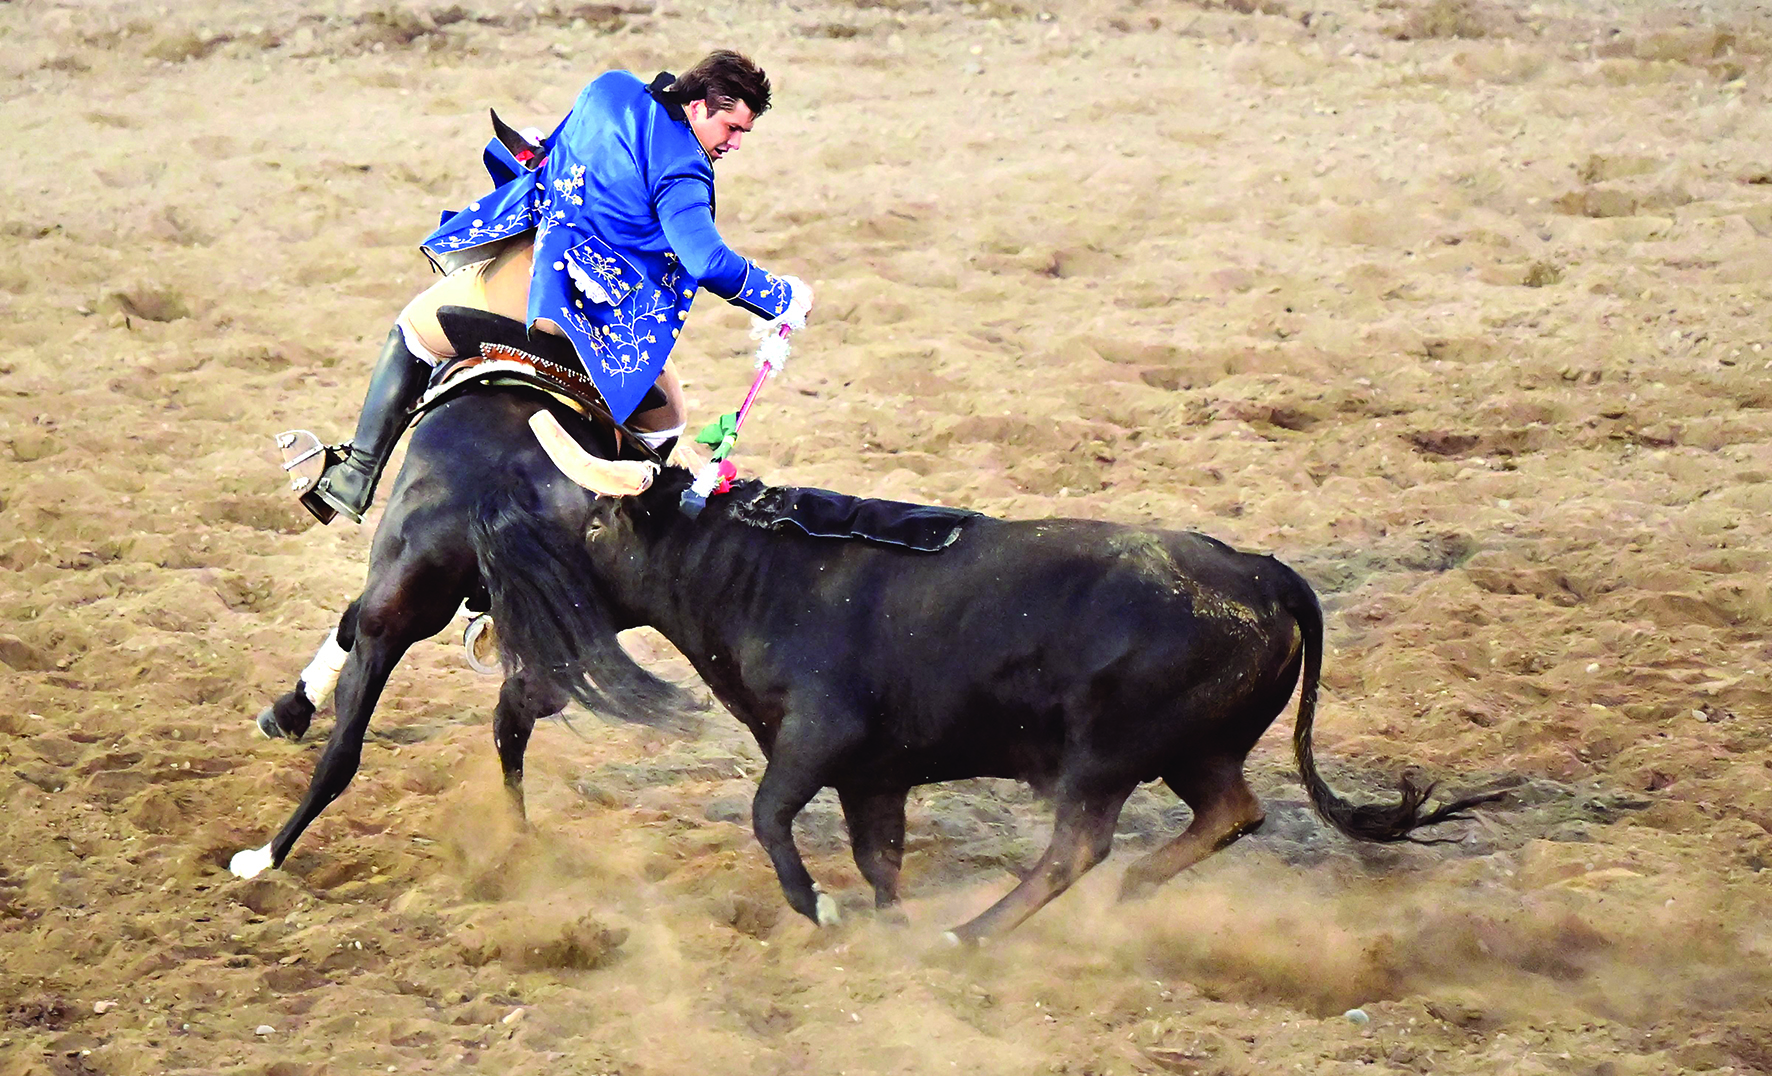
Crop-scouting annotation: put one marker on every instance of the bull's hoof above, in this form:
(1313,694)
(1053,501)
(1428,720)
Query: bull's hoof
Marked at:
(965,937)
(250,863)
(1134,888)
(828,915)
(267,724)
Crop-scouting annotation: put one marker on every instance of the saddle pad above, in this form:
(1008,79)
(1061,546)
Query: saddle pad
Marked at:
(821,513)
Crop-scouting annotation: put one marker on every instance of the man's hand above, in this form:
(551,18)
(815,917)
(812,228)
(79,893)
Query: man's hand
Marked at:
(800,304)
(794,317)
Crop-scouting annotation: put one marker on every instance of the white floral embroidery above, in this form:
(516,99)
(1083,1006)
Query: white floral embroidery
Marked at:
(573,181)
(518,218)
(623,346)
(773,294)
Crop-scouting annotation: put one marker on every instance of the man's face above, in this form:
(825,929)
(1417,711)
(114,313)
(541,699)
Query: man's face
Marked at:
(720,132)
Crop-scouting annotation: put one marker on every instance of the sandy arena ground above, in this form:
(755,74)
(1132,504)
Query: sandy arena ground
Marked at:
(1458,306)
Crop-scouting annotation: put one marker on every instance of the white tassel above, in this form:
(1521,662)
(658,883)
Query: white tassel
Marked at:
(772,349)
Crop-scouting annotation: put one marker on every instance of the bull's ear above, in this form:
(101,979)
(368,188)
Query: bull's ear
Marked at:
(602,520)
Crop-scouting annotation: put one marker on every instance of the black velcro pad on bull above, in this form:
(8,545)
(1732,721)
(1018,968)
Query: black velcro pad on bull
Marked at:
(922,528)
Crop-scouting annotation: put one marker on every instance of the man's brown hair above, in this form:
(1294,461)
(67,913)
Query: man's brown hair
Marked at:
(722,79)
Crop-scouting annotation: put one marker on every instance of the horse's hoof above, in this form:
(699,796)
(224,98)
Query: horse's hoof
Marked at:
(250,863)
(952,939)
(267,724)
(828,915)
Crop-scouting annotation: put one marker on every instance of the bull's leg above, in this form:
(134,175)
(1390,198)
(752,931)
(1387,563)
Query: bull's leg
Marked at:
(401,607)
(1081,837)
(1224,810)
(876,836)
(523,700)
(290,716)
(807,750)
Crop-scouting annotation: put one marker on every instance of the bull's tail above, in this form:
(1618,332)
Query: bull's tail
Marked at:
(552,615)
(1361,821)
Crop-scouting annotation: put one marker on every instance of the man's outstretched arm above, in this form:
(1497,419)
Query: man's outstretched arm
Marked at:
(685,214)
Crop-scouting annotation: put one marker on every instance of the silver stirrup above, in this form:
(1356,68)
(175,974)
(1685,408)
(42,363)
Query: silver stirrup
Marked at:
(305,458)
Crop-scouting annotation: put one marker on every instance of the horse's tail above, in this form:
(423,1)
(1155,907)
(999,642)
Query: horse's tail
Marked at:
(1364,821)
(552,615)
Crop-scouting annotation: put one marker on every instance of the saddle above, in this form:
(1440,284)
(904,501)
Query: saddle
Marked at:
(491,349)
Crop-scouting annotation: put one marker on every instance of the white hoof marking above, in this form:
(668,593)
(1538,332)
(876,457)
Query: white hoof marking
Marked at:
(828,916)
(251,862)
(951,938)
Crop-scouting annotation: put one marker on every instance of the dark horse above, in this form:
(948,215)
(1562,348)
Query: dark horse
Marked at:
(473,450)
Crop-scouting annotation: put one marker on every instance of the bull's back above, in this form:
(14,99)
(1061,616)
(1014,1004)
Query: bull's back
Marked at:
(1037,633)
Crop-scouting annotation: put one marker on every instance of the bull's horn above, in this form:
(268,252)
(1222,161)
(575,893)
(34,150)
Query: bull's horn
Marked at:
(606,478)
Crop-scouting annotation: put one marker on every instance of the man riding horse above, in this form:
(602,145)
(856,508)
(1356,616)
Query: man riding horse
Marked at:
(602,232)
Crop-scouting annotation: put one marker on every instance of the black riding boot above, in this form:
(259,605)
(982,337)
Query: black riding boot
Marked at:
(395,385)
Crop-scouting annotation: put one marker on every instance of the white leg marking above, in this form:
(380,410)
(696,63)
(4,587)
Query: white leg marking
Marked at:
(321,675)
(828,916)
(251,862)
(951,938)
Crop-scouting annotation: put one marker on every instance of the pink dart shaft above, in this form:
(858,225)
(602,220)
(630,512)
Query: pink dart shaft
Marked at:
(756,386)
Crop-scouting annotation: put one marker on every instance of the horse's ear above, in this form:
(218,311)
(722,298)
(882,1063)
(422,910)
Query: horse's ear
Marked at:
(511,138)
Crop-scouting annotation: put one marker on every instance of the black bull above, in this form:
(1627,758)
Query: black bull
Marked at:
(1081,657)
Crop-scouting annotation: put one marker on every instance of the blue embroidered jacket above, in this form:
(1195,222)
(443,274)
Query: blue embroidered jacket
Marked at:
(623,212)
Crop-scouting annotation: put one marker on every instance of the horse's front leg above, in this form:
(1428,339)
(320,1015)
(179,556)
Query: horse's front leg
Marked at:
(412,601)
(360,686)
(292,713)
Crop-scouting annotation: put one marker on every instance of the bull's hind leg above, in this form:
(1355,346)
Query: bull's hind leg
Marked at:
(523,700)
(876,836)
(290,716)
(1224,810)
(1082,835)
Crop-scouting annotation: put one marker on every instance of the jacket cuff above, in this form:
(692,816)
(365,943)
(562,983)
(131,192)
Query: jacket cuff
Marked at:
(761,292)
